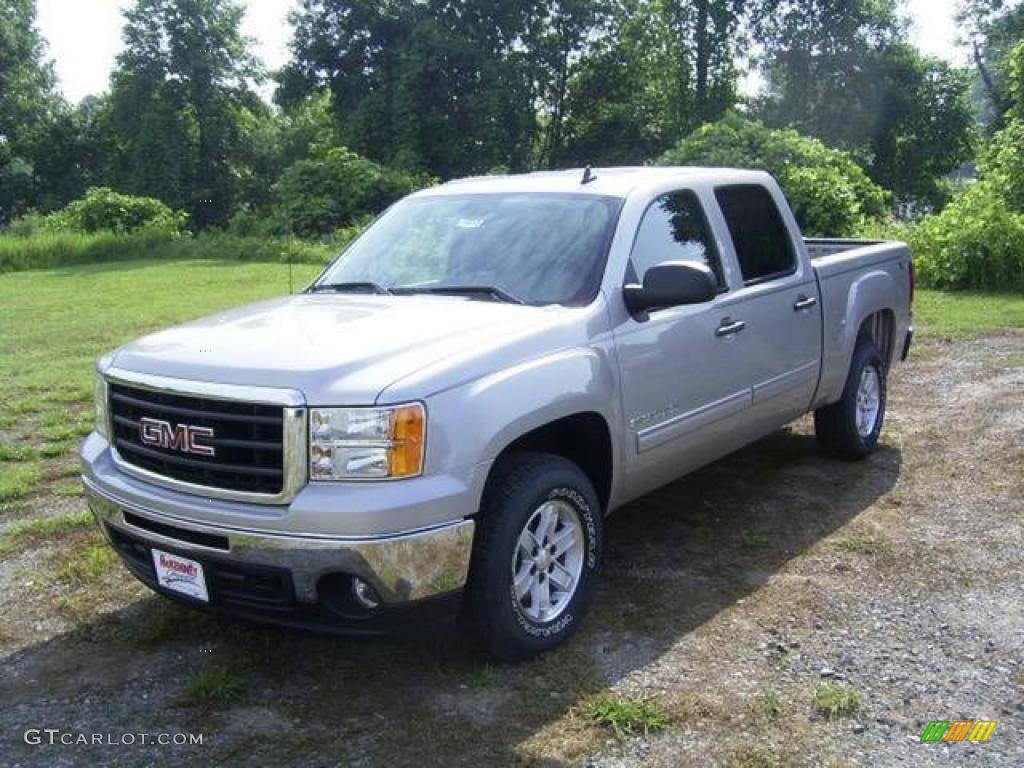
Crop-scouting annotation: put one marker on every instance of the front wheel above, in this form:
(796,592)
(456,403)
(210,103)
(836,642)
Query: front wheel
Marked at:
(536,555)
(850,428)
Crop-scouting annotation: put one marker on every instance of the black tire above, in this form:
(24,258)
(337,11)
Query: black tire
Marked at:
(521,485)
(836,425)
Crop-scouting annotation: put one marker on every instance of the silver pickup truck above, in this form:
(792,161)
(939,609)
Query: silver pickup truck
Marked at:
(440,422)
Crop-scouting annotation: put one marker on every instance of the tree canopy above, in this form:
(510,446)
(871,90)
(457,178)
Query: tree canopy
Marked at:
(401,91)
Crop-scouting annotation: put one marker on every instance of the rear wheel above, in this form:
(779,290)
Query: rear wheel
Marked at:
(535,557)
(850,428)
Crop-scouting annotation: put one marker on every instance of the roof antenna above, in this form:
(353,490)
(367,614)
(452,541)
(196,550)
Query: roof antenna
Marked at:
(588,175)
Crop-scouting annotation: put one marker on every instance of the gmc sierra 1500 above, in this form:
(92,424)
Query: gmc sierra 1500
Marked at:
(441,421)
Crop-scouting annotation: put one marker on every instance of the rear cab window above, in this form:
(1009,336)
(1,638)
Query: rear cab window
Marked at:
(759,235)
(674,228)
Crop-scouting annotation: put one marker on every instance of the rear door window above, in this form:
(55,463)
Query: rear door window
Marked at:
(758,232)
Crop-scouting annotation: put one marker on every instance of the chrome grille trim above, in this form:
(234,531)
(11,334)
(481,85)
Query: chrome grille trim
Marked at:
(294,433)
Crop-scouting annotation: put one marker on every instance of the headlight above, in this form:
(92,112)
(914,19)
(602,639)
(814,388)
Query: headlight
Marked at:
(102,415)
(366,443)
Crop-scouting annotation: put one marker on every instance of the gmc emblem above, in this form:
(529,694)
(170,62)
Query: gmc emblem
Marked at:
(183,437)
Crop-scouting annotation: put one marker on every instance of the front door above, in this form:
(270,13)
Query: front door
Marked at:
(685,379)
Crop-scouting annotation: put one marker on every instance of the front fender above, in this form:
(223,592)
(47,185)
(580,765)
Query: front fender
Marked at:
(474,422)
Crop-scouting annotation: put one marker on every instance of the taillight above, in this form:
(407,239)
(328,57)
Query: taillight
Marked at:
(911,274)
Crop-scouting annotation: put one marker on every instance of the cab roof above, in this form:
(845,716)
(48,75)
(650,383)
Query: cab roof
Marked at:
(612,182)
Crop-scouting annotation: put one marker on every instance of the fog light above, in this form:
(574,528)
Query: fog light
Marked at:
(365,595)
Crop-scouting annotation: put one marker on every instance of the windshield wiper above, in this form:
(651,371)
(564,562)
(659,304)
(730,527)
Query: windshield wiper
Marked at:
(468,290)
(364,287)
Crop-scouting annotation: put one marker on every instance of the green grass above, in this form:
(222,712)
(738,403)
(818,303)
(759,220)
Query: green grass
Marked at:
(942,313)
(755,541)
(55,323)
(215,685)
(17,480)
(835,700)
(625,716)
(767,705)
(40,528)
(862,544)
(16,453)
(85,565)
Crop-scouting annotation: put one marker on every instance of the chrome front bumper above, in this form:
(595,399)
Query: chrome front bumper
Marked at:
(402,568)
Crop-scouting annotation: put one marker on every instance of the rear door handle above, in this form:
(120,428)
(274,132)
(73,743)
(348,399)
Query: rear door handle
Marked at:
(729,327)
(804,302)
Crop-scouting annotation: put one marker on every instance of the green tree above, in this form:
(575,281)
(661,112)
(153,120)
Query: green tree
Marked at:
(437,85)
(180,103)
(843,72)
(830,194)
(28,104)
(819,64)
(925,125)
(644,74)
(990,29)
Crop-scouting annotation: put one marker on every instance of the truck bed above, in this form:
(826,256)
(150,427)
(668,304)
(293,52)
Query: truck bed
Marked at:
(875,273)
(822,247)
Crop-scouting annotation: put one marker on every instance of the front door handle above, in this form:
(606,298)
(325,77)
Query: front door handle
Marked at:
(804,302)
(729,327)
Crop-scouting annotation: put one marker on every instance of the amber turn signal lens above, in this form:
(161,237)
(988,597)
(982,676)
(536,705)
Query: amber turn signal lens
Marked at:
(408,430)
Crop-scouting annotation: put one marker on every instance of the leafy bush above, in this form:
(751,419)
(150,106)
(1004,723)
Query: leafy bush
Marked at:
(977,241)
(104,210)
(334,188)
(46,250)
(830,194)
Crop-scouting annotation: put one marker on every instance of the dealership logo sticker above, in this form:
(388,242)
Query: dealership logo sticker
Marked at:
(958,730)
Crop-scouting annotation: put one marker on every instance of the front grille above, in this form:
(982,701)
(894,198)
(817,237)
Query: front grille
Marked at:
(248,439)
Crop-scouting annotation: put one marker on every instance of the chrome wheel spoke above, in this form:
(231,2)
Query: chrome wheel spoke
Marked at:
(528,543)
(540,599)
(564,541)
(561,577)
(548,519)
(523,580)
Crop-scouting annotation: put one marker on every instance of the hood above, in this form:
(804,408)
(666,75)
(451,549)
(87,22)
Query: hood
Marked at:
(336,349)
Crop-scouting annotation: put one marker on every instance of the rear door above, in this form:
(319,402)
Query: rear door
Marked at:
(778,303)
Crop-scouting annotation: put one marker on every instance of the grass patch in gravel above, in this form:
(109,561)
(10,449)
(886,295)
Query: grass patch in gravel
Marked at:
(85,565)
(17,480)
(42,528)
(835,700)
(625,715)
(767,705)
(16,453)
(213,686)
(862,544)
(67,488)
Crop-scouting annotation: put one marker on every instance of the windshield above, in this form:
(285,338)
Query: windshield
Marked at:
(537,248)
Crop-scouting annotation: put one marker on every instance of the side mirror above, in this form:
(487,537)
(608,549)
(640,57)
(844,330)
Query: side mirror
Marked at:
(671,284)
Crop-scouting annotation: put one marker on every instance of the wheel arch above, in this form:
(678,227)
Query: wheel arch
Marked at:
(583,437)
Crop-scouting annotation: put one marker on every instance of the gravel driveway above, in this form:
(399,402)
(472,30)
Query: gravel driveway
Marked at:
(727,601)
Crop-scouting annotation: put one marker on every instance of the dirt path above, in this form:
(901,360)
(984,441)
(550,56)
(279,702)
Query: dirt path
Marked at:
(727,599)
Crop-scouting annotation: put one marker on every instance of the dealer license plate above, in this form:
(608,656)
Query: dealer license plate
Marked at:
(180,574)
